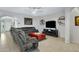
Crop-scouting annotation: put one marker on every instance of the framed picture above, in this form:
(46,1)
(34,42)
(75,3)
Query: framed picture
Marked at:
(61,20)
(76,20)
(27,21)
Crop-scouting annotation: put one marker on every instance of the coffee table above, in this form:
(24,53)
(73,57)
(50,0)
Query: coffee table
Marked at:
(39,36)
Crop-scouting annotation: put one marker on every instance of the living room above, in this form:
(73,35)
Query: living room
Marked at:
(60,37)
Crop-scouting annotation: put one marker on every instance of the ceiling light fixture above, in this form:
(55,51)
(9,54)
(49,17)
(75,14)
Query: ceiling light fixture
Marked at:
(35,9)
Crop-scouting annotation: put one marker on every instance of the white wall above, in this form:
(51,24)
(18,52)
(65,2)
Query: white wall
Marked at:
(67,24)
(74,29)
(0,29)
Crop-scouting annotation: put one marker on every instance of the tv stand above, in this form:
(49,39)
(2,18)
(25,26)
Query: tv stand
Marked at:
(51,32)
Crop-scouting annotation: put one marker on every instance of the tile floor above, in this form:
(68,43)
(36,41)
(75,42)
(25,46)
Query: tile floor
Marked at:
(51,44)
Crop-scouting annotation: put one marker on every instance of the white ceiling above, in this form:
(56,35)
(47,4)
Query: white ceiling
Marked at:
(42,11)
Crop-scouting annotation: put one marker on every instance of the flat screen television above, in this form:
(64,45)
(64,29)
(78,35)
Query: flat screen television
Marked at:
(51,24)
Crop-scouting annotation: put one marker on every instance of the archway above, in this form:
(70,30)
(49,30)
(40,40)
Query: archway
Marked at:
(6,23)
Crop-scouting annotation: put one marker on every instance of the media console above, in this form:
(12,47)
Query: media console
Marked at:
(51,32)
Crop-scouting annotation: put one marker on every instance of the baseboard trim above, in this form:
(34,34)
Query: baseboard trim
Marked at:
(77,42)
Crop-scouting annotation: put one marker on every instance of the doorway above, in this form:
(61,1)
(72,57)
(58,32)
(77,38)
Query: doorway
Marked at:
(6,23)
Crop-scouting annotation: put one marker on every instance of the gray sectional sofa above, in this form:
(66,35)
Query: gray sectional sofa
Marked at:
(28,29)
(22,39)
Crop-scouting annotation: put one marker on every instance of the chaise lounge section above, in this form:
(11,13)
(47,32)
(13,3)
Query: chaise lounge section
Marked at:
(22,39)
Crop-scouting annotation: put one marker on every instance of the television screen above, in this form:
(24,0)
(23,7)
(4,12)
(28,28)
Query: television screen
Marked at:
(51,24)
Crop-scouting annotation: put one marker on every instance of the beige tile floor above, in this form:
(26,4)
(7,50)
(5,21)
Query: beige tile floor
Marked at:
(7,44)
(51,44)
